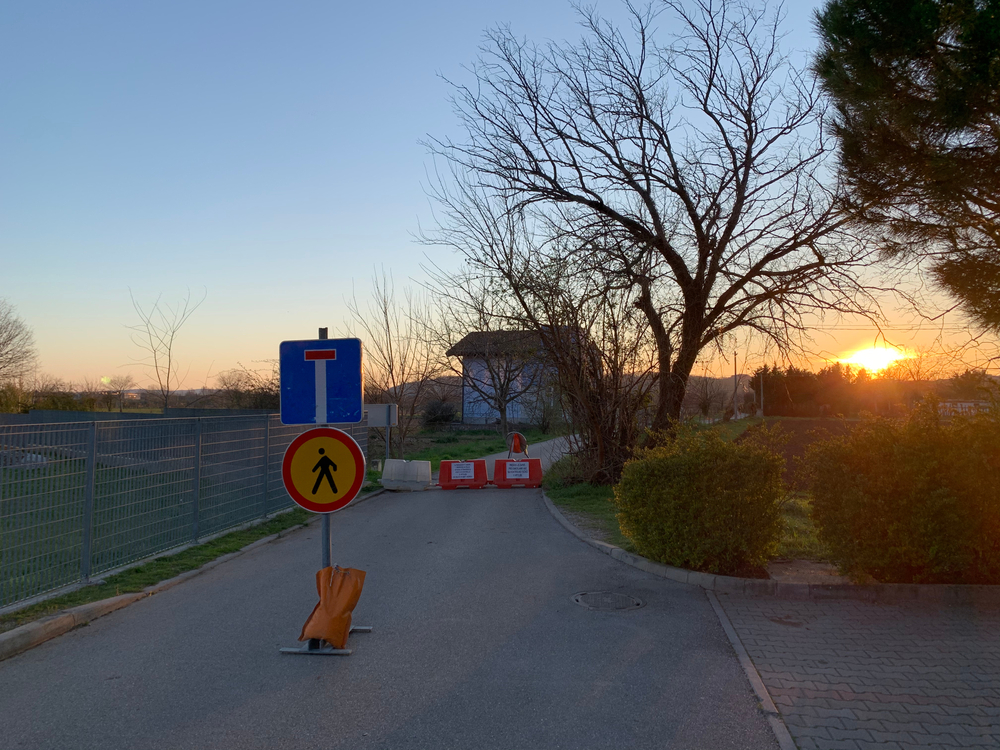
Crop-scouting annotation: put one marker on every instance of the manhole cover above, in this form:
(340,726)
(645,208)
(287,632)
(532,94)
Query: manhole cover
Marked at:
(607,601)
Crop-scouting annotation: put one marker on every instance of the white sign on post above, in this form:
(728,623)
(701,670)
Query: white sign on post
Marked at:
(382,415)
(465,470)
(517,470)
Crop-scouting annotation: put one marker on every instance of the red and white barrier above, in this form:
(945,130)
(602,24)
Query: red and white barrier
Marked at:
(509,472)
(456,474)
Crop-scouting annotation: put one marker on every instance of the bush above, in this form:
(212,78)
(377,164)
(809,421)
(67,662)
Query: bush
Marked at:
(440,412)
(911,501)
(699,502)
(565,472)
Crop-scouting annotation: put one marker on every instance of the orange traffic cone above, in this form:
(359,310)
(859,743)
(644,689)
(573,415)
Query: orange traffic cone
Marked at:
(339,590)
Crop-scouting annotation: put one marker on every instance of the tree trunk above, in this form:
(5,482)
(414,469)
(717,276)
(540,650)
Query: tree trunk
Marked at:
(673,385)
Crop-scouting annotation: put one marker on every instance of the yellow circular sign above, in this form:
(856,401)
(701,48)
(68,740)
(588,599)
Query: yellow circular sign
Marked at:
(323,469)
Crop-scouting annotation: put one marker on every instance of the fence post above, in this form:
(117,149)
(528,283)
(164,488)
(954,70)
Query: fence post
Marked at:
(88,501)
(196,495)
(267,455)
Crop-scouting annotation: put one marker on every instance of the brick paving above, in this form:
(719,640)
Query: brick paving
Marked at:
(858,675)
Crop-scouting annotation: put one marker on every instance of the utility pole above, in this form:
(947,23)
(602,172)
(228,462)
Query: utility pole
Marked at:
(736,385)
(763,369)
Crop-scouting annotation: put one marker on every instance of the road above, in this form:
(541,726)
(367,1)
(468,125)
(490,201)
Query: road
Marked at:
(476,644)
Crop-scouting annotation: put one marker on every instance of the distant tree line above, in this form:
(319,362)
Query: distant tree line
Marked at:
(840,390)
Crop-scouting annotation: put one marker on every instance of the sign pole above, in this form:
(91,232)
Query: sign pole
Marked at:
(325,535)
(306,402)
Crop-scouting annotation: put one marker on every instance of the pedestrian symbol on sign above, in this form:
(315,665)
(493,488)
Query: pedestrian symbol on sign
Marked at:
(324,465)
(323,469)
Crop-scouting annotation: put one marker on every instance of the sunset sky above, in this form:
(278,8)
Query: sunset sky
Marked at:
(263,154)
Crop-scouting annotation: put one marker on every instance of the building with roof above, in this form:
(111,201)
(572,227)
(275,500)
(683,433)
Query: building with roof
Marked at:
(503,370)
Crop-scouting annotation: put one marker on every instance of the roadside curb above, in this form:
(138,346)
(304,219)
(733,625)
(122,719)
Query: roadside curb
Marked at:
(32,634)
(895,593)
(781,733)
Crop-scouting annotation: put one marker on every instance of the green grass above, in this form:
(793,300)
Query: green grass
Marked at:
(799,540)
(733,429)
(463,444)
(594,502)
(372,477)
(163,568)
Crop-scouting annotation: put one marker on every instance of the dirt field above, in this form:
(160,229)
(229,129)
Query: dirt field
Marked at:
(802,432)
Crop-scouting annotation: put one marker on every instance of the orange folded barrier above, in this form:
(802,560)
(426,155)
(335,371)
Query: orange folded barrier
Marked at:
(339,590)
(455,474)
(526,472)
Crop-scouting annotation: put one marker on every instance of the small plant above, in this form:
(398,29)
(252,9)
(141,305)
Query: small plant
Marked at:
(698,501)
(911,501)
(565,472)
(439,413)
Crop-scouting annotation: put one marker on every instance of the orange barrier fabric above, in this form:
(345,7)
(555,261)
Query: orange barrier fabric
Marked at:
(339,590)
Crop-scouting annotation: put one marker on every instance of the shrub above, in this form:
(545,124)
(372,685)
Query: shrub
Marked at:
(565,472)
(697,501)
(440,412)
(911,501)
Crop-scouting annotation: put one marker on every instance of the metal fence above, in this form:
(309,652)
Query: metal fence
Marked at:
(80,499)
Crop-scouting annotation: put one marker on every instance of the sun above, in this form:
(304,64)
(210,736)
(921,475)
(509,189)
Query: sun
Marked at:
(875,359)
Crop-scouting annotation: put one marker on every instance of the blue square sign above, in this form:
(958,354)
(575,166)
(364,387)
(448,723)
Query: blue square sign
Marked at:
(321,381)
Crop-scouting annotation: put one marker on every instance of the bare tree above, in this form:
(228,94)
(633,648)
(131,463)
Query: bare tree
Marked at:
(91,393)
(691,174)
(593,339)
(709,394)
(920,366)
(500,362)
(598,344)
(156,334)
(118,387)
(399,364)
(49,392)
(17,345)
(243,388)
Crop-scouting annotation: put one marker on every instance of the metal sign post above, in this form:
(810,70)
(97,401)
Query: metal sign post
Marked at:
(383,415)
(302,409)
(326,540)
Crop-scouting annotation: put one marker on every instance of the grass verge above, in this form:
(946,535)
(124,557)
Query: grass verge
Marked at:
(161,569)
(464,444)
(799,540)
(734,428)
(593,505)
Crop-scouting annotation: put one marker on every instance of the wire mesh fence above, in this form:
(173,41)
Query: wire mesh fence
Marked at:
(80,499)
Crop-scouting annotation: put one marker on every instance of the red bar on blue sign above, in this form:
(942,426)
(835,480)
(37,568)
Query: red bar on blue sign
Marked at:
(312,354)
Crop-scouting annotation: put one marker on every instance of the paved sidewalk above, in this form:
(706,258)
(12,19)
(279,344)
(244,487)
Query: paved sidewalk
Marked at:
(850,674)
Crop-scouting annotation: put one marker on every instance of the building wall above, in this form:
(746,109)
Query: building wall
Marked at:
(476,410)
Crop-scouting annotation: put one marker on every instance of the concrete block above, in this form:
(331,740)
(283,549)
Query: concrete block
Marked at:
(398,474)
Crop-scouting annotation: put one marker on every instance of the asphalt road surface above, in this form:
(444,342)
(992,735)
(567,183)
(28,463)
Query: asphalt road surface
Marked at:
(476,644)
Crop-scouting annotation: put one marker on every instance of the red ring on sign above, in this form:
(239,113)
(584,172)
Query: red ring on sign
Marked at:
(359,461)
